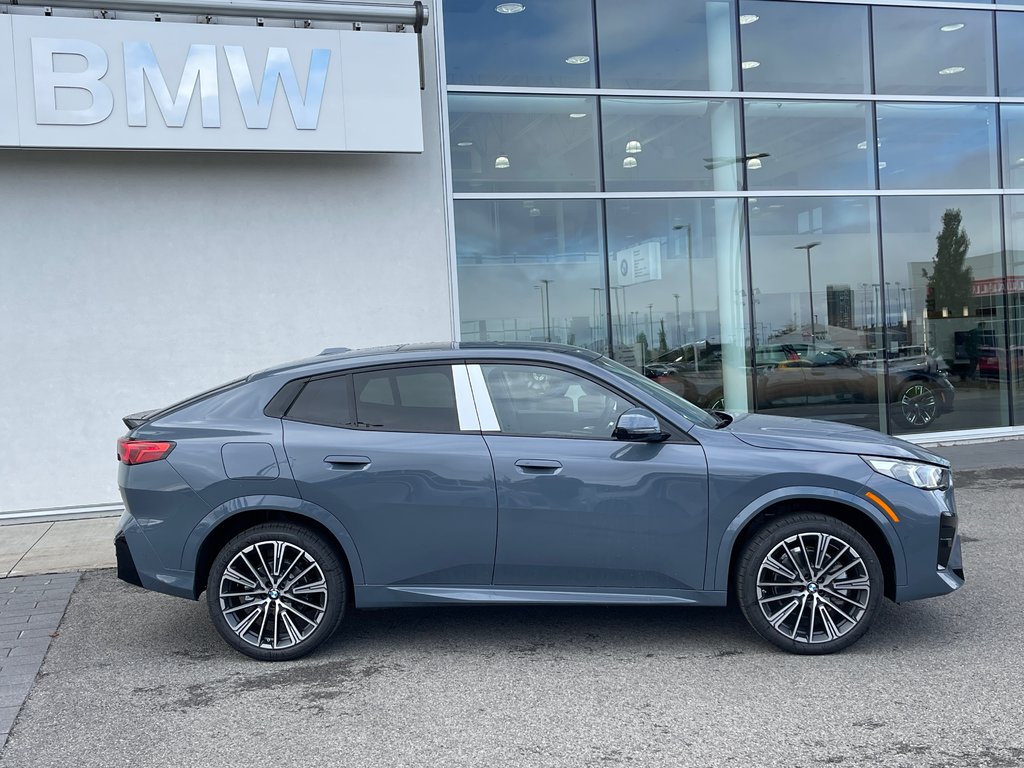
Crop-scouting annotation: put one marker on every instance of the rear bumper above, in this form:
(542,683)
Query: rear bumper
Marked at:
(126,570)
(138,564)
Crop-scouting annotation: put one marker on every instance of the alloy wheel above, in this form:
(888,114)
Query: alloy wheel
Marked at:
(273,594)
(918,405)
(813,588)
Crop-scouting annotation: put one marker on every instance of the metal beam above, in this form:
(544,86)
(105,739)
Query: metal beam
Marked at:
(315,10)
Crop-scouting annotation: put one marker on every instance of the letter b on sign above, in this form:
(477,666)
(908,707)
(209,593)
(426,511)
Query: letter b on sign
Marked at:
(46,82)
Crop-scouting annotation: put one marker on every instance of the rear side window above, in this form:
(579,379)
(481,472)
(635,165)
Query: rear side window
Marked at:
(417,399)
(324,401)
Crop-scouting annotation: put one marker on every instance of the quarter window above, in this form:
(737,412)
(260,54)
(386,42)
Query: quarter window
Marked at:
(548,402)
(324,401)
(420,399)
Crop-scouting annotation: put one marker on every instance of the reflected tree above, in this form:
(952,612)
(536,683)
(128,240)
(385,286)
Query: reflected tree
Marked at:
(949,284)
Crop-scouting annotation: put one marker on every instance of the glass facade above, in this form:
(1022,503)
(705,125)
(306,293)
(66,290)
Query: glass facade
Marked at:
(796,207)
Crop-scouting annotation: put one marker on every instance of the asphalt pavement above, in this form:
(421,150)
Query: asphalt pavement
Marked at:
(139,679)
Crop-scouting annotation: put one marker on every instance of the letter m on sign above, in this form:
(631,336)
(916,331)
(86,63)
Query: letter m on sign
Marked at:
(140,65)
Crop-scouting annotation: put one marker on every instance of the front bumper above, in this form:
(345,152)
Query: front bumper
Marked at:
(929,531)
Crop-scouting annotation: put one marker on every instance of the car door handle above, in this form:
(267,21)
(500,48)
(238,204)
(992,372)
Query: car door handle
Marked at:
(347,462)
(539,466)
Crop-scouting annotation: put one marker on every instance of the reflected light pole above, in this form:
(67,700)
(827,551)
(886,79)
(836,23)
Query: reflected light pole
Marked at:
(810,289)
(679,333)
(547,309)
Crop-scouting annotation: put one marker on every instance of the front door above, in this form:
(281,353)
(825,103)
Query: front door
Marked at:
(577,508)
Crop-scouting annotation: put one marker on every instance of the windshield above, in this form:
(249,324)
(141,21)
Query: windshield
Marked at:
(667,398)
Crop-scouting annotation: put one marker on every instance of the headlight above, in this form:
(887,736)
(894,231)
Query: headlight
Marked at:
(926,476)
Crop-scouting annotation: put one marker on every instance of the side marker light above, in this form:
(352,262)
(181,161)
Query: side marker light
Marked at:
(885,507)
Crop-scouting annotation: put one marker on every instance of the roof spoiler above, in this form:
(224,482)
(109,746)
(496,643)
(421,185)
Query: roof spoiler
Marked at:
(135,420)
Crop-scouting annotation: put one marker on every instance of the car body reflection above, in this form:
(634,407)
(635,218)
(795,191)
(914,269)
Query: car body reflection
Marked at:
(822,382)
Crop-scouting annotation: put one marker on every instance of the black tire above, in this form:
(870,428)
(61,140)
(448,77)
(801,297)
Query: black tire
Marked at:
(277,607)
(828,617)
(715,402)
(916,404)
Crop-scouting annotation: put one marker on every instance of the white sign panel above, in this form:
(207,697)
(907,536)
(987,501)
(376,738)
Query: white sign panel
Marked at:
(639,264)
(85,83)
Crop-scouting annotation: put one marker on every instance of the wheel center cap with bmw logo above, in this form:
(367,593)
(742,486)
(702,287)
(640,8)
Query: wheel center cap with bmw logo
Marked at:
(273,594)
(812,587)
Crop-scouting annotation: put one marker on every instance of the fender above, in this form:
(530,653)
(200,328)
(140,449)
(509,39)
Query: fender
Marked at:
(717,571)
(237,506)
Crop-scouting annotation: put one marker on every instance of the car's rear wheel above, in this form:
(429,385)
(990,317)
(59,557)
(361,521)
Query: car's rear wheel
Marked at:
(809,583)
(276,591)
(917,404)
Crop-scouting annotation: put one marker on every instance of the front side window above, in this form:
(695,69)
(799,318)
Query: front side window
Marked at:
(419,399)
(549,402)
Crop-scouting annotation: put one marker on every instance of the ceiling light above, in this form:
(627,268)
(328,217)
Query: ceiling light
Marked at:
(577,115)
(862,145)
(751,64)
(748,18)
(882,164)
(501,162)
(510,7)
(464,144)
(951,27)
(577,60)
(629,162)
(753,164)
(633,146)
(952,70)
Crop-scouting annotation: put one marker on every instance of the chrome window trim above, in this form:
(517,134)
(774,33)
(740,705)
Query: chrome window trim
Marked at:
(468,420)
(484,406)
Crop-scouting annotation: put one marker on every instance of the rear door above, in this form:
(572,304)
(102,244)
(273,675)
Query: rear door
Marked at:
(396,454)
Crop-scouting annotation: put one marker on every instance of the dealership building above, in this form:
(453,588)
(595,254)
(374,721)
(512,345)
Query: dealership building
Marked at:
(791,206)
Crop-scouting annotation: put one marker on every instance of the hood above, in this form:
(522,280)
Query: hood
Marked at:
(791,434)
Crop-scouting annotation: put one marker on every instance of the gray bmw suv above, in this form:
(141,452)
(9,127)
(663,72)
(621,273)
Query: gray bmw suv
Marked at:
(527,473)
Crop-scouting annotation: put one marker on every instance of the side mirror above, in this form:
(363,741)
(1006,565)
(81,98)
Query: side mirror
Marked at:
(638,425)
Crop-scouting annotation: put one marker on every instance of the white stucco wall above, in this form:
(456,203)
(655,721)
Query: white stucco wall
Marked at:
(129,280)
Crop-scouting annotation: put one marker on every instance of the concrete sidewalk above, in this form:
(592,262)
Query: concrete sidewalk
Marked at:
(77,545)
(60,547)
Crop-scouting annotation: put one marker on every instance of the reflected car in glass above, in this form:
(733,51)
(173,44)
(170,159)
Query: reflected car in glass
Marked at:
(820,382)
(476,473)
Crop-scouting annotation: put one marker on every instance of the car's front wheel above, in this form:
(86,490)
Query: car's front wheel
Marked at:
(276,591)
(917,404)
(809,583)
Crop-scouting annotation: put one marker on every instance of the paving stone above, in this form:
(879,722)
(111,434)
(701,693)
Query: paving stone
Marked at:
(18,665)
(44,606)
(15,689)
(36,633)
(7,715)
(31,647)
(31,608)
(12,699)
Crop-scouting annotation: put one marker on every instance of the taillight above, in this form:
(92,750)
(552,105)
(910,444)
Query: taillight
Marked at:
(142,451)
